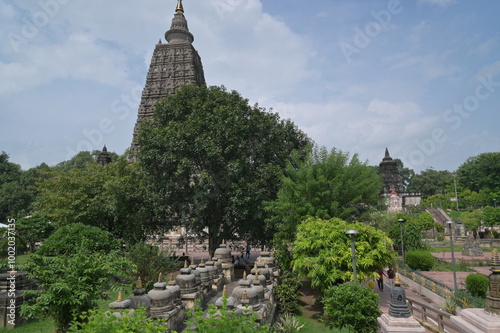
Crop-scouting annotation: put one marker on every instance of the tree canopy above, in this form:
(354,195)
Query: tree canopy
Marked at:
(111,197)
(322,251)
(327,185)
(480,172)
(430,182)
(212,160)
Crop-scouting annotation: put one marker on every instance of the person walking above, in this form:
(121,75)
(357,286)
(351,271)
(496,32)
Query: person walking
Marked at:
(380,279)
(248,249)
(391,274)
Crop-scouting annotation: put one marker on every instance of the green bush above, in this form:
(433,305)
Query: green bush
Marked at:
(477,284)
(96,321)
(289,324)
(69,239)
(495,234)
(150,261)
(440,238)
(419,260)
(287,293)
(224,320)
(353,307)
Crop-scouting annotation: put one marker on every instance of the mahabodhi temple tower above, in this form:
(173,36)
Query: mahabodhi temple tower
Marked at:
(174,64)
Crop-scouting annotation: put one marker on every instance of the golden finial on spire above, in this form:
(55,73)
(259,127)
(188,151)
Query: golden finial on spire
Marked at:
(245,295)
(495,259)
(185,264)
(244,275)
(259,260)
(265,248)
(397,281)
(256,277)
(138,284)
(224,291)
(180,8)
(192,260)
(160,277)
(120,295)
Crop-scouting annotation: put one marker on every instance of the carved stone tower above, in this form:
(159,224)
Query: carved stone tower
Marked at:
(392,178)
(174,64)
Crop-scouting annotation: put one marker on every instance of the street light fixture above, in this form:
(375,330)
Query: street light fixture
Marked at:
(353,234)
(449,223)
(401,221)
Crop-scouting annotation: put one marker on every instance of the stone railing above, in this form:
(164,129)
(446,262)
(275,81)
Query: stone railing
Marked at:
(431,316)
(436,287)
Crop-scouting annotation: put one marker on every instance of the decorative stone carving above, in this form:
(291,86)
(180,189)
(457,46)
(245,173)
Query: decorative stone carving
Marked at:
(493,298)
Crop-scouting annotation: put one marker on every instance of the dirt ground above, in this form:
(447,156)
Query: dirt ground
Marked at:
(308,301)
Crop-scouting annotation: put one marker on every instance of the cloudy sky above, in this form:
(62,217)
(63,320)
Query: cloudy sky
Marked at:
(421,77)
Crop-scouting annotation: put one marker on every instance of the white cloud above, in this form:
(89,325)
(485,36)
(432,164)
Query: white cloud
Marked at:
(366,130)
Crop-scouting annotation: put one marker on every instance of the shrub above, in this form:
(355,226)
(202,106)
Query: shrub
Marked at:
(440,238)
(150,261)
(419,260)
(96,321)
(70,285)
(352,306)
(71,238)
(287,292)
(224,320)
(289,324)
(477,284)
(495,234)
(450,306)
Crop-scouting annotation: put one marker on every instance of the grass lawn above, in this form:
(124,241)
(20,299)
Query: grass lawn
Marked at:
(314,326)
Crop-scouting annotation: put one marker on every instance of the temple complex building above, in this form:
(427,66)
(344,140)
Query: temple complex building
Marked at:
(173,65)
(393,190)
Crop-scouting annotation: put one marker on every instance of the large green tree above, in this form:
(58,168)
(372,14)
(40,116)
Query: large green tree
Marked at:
(16,196)
(328,184)
(111,197)
(430,182)
(322,251)
(480,172)
(213,160)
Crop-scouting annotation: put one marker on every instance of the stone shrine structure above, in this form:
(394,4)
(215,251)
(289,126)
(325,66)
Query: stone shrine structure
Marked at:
(393,183)
(399,319)
(471,247)
(171,301)
(104,158)
(173,65)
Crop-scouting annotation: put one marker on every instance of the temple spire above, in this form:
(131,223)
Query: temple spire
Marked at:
(180,8)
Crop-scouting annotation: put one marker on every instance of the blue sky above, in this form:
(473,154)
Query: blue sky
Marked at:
(421,77)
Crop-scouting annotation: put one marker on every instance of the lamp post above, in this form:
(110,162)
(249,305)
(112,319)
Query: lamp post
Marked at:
(449,223)
(353,234)
(401,221)
(455,182)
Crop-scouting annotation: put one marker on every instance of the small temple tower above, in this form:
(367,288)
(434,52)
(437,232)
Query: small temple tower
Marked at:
(393,189)
(104,157)
(392,178)
(173,65)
